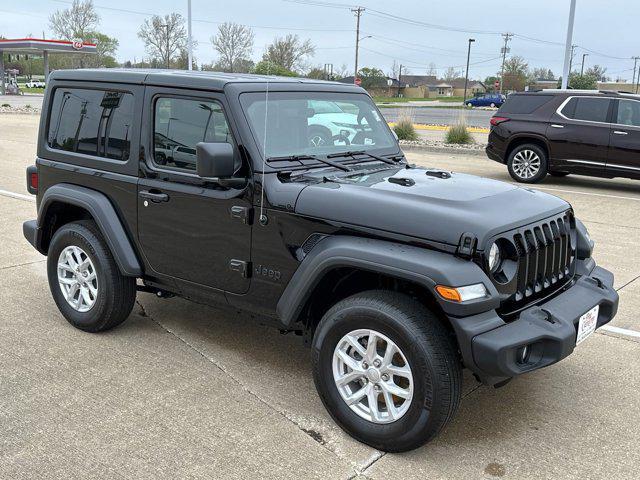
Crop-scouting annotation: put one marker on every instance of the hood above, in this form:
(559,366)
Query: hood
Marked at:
(427,204)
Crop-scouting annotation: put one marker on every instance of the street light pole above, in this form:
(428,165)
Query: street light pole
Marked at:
(567,51)
(189,41)
(466,76)
(584,55)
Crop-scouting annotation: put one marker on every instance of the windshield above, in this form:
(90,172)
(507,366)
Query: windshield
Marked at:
(315,123)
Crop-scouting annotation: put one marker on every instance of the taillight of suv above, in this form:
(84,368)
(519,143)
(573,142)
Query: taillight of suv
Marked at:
(32,179)
(495,121)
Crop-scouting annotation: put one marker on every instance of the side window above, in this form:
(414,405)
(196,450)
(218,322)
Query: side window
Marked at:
(628,113)
(180,124)
(93,122)
(587,108)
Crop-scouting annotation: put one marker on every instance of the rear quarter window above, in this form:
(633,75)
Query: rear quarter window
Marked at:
(524,103)
(91,122)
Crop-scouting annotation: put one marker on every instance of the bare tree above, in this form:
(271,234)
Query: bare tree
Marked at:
(451,74)
(76,22)
(598,72)
(395,68)
(432,70)
(233,42)
(164,37)
(289,52)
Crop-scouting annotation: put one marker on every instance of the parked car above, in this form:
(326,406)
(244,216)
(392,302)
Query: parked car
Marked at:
(35,84)
(397,276)
(562,132)
(489,100)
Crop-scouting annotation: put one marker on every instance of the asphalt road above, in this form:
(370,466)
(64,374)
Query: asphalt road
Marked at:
(186,391)
(439,116)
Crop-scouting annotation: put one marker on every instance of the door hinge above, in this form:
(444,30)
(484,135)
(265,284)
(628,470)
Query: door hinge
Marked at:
(240,266)
(467,245)
(242,213)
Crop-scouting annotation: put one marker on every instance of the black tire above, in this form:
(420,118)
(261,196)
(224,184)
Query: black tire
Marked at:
(116,293)
(559,174)
(319,136)
(429,350)
(524,149)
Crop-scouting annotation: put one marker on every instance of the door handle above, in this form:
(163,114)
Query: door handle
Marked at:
(620,132)
(555,125)
(154,196)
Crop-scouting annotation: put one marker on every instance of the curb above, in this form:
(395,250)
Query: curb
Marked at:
(434,149)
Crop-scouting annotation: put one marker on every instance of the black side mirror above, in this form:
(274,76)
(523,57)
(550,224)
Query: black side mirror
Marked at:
(215,160)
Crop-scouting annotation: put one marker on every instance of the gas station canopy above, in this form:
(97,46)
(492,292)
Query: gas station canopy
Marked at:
(39,46)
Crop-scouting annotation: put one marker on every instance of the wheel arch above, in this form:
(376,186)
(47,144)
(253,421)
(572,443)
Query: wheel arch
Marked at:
(340,266)
(64,203)
(525,138)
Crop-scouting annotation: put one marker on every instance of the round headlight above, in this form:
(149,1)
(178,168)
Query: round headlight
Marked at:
(495,258)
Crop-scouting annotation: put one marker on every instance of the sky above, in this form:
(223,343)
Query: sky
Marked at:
(606,34)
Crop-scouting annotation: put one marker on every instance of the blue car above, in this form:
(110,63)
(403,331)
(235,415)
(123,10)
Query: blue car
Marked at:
(488,100)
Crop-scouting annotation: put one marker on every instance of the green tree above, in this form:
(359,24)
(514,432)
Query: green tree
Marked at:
(371,77)
(317,73)
(266,67)
(516,74)
(289,52)
(582,82)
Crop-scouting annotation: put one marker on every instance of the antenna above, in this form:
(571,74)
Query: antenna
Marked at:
(263,218)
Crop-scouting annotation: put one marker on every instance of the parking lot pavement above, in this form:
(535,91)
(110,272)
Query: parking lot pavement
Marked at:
(184,390)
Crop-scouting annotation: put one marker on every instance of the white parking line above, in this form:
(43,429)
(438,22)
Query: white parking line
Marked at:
(19,196)
(635,199)
(620,331)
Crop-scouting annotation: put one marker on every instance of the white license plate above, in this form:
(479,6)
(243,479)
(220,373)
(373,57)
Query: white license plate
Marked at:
(587,324)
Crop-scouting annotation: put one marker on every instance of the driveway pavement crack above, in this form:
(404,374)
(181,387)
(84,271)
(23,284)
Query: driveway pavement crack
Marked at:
(22,264)
(628,283)
(233,378)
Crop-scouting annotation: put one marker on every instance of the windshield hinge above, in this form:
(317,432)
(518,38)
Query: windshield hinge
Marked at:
(467,245)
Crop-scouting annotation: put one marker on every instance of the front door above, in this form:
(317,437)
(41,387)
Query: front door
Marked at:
(578,135)
(191,229)
(624,147)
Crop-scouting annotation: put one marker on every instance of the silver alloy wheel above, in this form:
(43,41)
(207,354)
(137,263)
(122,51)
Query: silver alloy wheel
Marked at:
(526,164)
(372,376)
(77,278)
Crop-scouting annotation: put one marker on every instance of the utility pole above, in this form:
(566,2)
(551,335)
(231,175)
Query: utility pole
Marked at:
(584,55)
(635,65)
(358,13)
(573,54)
(567,51)
(505,49)
(466,76)
(399,79)
(189,41)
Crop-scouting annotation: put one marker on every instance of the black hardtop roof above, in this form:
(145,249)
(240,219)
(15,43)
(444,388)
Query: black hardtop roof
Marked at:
(180,78)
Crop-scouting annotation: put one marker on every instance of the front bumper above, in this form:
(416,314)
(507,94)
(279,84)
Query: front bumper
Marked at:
(490,346)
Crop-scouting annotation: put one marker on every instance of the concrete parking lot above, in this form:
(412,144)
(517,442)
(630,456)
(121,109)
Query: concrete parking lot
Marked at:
(182,390)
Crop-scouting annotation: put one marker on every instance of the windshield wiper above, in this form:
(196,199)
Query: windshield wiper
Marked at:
(353,153)
(299,158)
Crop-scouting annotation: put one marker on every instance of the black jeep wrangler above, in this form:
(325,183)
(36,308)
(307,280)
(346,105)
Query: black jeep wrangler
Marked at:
(291,200)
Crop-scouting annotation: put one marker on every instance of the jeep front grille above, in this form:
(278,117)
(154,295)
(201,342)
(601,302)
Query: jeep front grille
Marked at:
(545,257)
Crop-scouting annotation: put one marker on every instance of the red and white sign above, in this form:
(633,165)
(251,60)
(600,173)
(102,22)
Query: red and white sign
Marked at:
(77,44)
(358,81)
(496,84)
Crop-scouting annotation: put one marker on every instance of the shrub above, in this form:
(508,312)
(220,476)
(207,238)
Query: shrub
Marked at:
(6,105)
(458,133)
(404,129)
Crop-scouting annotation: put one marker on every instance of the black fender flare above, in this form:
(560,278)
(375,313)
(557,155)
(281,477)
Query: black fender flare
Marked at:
(105,216)
(425,267)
